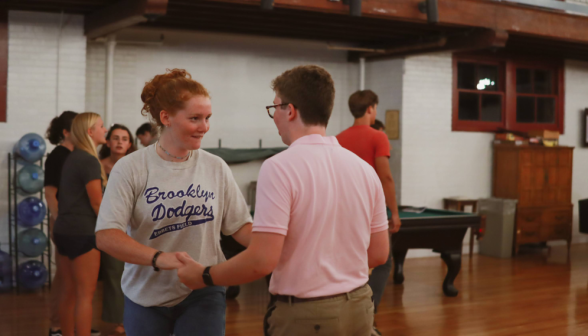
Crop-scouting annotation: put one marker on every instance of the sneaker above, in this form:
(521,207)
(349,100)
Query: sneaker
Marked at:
(94,332)
(55,333)
(375,332)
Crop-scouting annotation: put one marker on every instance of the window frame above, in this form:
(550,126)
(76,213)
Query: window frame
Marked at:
(557,80)
(477,125)
(507,85)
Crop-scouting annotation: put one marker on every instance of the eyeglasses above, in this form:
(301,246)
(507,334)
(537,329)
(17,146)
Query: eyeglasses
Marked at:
(272,109)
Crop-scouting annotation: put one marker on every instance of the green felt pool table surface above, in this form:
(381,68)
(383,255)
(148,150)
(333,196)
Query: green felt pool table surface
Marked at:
(429,213)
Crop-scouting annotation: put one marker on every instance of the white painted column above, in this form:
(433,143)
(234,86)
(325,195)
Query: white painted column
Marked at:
(109,79)
(362,73)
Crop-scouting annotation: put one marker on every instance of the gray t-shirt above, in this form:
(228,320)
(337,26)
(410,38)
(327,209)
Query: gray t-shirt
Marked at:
(76,215)
(172,207)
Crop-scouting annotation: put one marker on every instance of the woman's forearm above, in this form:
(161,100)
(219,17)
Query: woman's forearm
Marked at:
(124,248)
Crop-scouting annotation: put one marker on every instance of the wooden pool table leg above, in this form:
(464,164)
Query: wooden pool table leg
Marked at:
(453,262)
(398,256)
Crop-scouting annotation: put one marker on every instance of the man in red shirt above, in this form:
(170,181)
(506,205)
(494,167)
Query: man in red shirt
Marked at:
(373,147)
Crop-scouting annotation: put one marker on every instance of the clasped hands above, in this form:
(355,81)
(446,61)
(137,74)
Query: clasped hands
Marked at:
(189,270)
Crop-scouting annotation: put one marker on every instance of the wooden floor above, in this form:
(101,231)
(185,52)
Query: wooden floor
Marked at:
(534,294)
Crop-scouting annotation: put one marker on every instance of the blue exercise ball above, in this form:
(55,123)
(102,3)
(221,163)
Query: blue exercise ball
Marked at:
(31,211)
(30,147)
(32,242)
(32,274)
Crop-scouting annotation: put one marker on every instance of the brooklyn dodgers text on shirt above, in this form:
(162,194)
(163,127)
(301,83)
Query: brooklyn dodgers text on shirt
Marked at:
(205,213)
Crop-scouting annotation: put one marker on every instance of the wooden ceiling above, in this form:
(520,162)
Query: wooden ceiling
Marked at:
(366,32)
(67,6)
(280,22)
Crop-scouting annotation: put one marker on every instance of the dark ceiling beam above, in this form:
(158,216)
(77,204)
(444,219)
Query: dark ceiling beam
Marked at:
(284,22)
(279,32)
(123,14)
(240,24)
(474,40)
(376,33)
(68,6)
(188,7)
(256,31)
(495,15)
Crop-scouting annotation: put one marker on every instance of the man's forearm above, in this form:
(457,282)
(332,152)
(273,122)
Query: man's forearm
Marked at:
(240,269)
(124,248)
(257,261)
(243,236)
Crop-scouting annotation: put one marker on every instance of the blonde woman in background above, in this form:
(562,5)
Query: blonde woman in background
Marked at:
(80,195)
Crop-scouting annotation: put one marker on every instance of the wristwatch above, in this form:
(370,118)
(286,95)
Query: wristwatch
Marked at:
(154,261)
(206,277)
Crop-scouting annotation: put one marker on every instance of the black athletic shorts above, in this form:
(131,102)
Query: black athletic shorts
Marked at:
(73,246)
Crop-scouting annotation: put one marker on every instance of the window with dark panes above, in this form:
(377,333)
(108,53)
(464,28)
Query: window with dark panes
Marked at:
(536,96)
(493,93)
(479,95)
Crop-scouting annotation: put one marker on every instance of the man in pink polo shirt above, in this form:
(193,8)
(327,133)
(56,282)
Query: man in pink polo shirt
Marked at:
(320,222)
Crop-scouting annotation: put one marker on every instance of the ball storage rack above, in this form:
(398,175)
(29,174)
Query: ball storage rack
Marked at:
(13,227)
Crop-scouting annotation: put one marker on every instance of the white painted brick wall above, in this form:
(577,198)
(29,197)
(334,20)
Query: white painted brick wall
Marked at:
(576,100)
(33,97)
(438,163)
(384,77)
(237,71)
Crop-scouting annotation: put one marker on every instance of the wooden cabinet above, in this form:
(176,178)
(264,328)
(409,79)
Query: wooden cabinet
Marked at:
(540,178)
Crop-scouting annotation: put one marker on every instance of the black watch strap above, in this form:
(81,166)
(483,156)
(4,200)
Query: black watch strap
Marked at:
(154,260)
(207,277)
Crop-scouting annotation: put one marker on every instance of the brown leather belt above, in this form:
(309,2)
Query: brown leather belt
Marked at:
(293,299)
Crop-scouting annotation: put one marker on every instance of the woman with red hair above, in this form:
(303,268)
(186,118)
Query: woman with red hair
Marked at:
(171,197)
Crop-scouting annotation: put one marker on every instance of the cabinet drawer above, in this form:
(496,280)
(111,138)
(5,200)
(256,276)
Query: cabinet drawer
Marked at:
(529,236)
(529,218)
(528,226)
(557,217)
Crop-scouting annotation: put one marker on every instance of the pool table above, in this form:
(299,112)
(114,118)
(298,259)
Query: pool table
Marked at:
(440,230)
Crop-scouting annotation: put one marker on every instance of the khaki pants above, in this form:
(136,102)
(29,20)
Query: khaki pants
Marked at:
(348,315)
(113,299)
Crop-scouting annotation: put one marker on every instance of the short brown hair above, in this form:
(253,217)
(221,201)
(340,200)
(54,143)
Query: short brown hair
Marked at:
(360,101)
(310,89)
(169,92)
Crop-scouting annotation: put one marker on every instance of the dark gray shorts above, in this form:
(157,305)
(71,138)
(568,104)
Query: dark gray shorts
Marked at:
(73,246)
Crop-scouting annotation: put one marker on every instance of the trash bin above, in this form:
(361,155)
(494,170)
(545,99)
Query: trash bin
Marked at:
(500,223)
